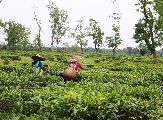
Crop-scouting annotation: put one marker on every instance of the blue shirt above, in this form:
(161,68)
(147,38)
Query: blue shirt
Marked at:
(37,64)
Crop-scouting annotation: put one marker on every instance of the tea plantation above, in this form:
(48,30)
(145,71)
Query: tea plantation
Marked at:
(112,88)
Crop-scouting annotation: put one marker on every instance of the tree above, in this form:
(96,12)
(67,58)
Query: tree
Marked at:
(142,49)
(147,29)
(38,36)
(115,40)
(80,35)
(16,34)
(161,51)
(96,33)
(24,44)
(66,45)
(131,50)
(59,24)
(1,24)
(158,7)
(37,42)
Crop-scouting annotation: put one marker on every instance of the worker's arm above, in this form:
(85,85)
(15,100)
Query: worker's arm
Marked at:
(82,67)
(45,68)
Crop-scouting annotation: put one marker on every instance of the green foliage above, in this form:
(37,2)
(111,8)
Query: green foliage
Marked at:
(149,27)
(11,57)
(6,61)
(58,20)
(143,49)
(96,33)
(37,41)
(158,7)
(16,34)
(115,40)
(120,87)
(80,35)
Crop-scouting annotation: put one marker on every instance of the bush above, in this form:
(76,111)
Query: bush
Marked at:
(11,57)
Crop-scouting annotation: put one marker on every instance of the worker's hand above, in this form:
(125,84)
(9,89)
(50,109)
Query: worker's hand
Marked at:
(45,68)
(83,67)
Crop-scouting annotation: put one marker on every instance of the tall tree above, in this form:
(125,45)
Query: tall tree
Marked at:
(159,7)
(147,29)
(142,49)
(1,24)
(59,24)
(115,40)
(38,36)
(96,33)
(80,35)
(15,34)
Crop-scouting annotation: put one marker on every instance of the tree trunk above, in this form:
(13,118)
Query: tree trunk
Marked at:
(96,48)
(13,46)
(81,48)
(114,51)
(39,39)
(150,44)
(52,42)
(154,57)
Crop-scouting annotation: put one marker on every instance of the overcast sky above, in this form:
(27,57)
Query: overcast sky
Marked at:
(22,11)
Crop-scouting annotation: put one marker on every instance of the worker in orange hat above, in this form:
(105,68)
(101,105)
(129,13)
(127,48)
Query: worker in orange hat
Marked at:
(71,73)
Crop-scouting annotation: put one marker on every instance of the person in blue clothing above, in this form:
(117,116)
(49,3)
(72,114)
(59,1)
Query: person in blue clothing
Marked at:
(38,64)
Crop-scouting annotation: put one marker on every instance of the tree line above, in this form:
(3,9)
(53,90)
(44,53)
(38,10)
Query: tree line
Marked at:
(148,30)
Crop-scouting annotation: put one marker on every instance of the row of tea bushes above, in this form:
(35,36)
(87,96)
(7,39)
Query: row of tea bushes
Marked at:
(109,89)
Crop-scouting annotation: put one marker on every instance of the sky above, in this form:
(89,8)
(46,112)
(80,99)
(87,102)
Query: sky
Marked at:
(22,11)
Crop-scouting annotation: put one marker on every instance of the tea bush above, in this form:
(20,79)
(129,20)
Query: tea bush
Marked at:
(118,88)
